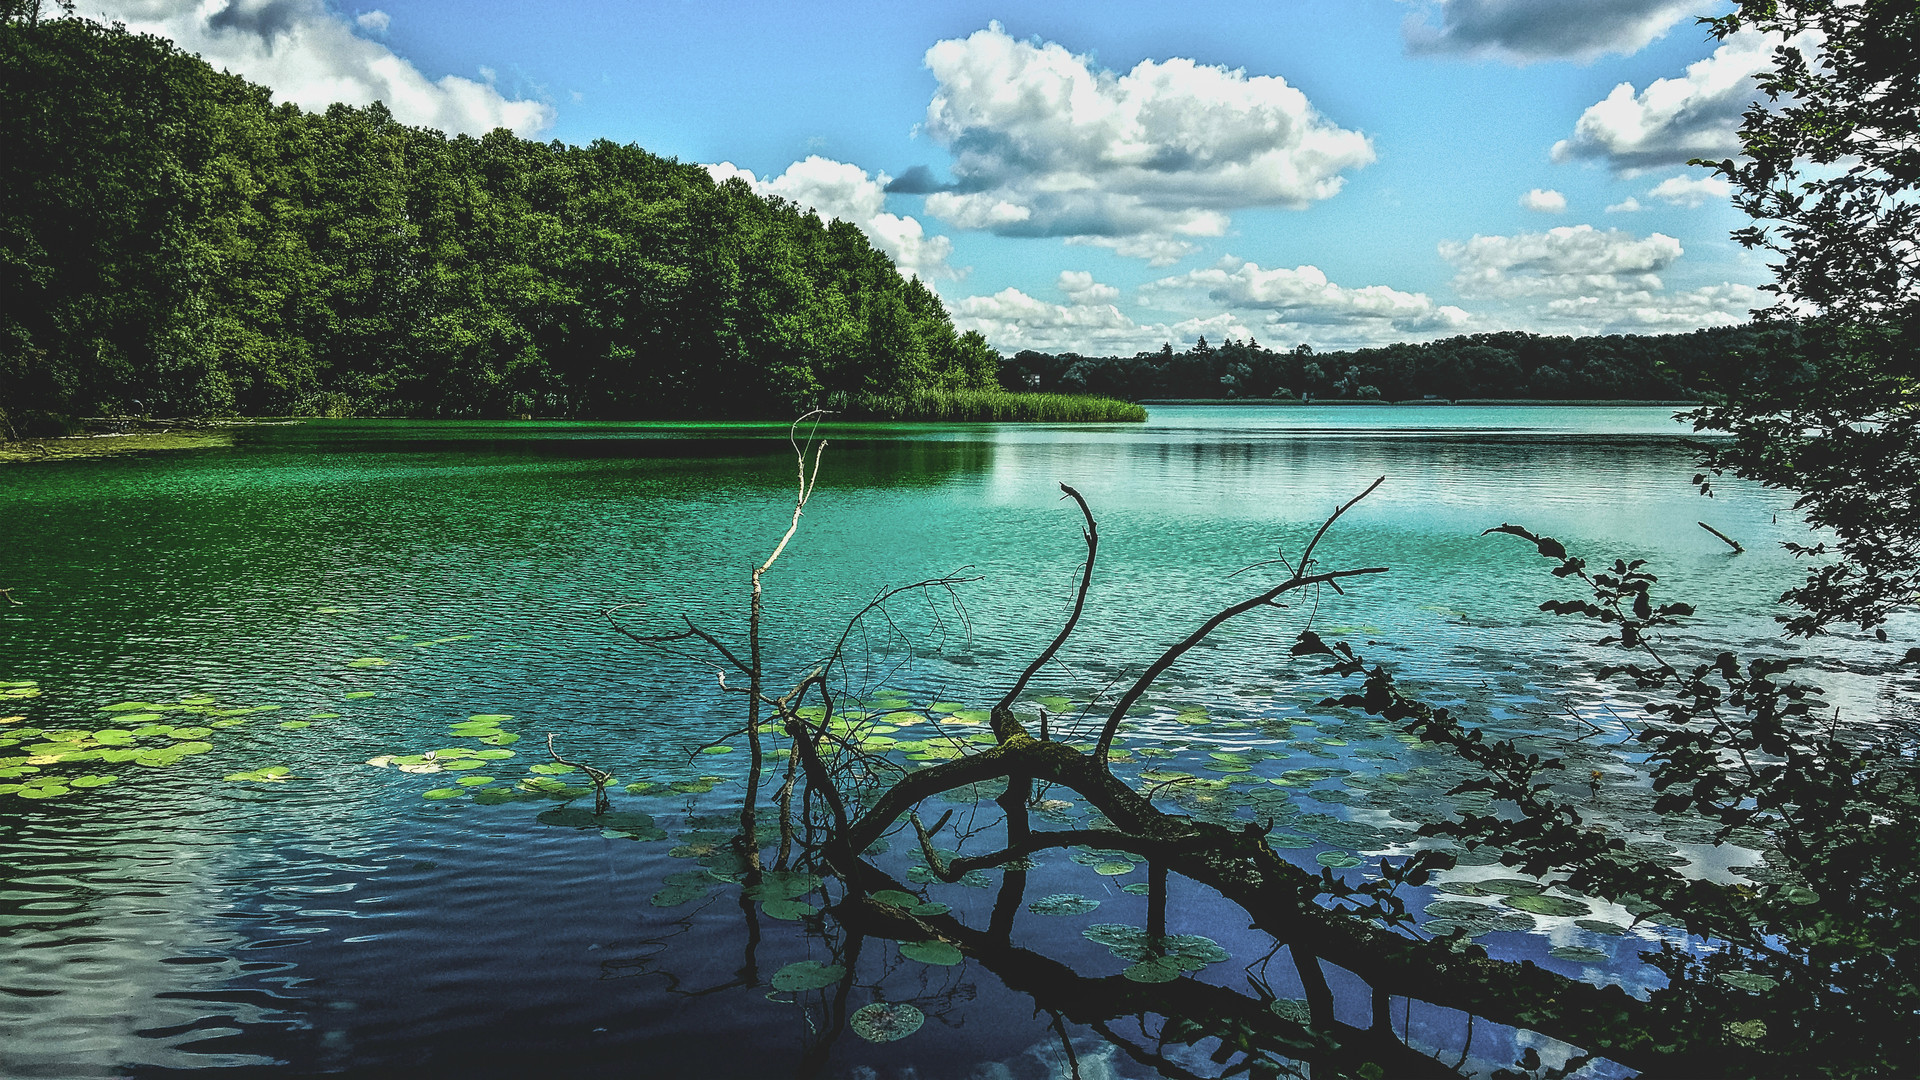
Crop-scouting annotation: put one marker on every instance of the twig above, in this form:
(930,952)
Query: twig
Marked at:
(1730,541)
(598,776)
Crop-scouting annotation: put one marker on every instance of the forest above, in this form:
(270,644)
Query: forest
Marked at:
(1506,365)
(174,243)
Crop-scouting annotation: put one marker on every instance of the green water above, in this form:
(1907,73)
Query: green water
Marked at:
(337,920)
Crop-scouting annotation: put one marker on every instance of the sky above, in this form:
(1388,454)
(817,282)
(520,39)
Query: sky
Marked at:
(1105,177)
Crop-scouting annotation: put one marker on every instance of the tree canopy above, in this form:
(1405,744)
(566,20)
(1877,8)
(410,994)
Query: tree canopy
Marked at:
(1830,167)
(174,242)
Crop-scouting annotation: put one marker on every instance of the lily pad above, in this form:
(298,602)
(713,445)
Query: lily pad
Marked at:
(444,793)
(1548,905)
(91,781)
(1749,980)
(786,885)
(1339,860)
(1157,970)
(938,953)
(369,661)
(474,781)
(356,695)
(886,1021)
(1578,954)
(789,909)
(1600,926)
(1063,904)
(1294,1009)
(295,725)
(806,975)
(721,749)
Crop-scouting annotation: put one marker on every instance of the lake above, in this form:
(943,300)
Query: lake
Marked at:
(322,595)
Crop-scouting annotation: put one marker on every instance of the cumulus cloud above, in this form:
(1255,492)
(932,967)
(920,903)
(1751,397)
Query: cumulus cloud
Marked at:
(373,22)
(1303,296)
(1548,201)
(1011,320)
(1079,287)
(1569,260)
(1528,30)
(313,57)
(1577,279)
(1691,191)
(1628,205)
(1651,311)
(836,189)
(1673,120)
(1047,144)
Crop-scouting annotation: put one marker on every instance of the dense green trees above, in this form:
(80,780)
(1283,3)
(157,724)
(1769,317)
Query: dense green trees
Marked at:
(174,243)
(1510,364)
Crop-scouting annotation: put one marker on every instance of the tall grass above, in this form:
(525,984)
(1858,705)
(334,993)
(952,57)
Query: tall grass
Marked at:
(988,405)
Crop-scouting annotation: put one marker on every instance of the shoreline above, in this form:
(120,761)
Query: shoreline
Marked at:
(1349,402)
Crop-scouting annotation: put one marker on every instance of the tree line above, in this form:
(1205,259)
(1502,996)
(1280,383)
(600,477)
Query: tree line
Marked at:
(175,243)
(1510,364)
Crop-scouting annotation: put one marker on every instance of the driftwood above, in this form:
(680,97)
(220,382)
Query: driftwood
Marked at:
(1278,898)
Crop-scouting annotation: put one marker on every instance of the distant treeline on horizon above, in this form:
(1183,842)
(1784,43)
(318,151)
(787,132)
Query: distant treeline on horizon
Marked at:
(1505,365)
(174,243)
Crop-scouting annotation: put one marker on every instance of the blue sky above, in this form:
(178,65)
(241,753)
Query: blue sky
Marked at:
(1105,177)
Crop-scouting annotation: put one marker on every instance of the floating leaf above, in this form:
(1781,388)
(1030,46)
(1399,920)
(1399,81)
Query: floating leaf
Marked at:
(369,661)
(1294,1009)
(1157,970)
(355,695)
(1063,904)
(806,975)
(474,781)
(788,884)
(1749,980)
(885,1021)
(1113,869)
(722,749)
(505,738)
(1548,905)
(324,716)
(938,953)
(1510,887)
(1339,860)
(444,793)
(789,909)
(1578,954)
(491,755)
(1600,926)
(675,895)
(1138,888)
(91,781)
(294,725)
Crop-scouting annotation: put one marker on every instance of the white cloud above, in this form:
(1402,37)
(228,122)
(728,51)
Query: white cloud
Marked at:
(1527,30)
(1569,260)
(1303,296)
(1046,144)
(1649,311)
(1691,191)
(373,22)
(1545,202)
(1079,287)
(1579,280)
(1012,320)
(836,189)
(1628,205)
(1674,120)
(312,57)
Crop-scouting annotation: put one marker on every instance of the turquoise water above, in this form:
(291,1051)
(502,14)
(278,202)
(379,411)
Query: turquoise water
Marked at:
(376,581)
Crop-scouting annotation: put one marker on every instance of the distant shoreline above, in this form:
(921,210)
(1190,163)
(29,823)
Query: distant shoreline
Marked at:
(1270,402)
